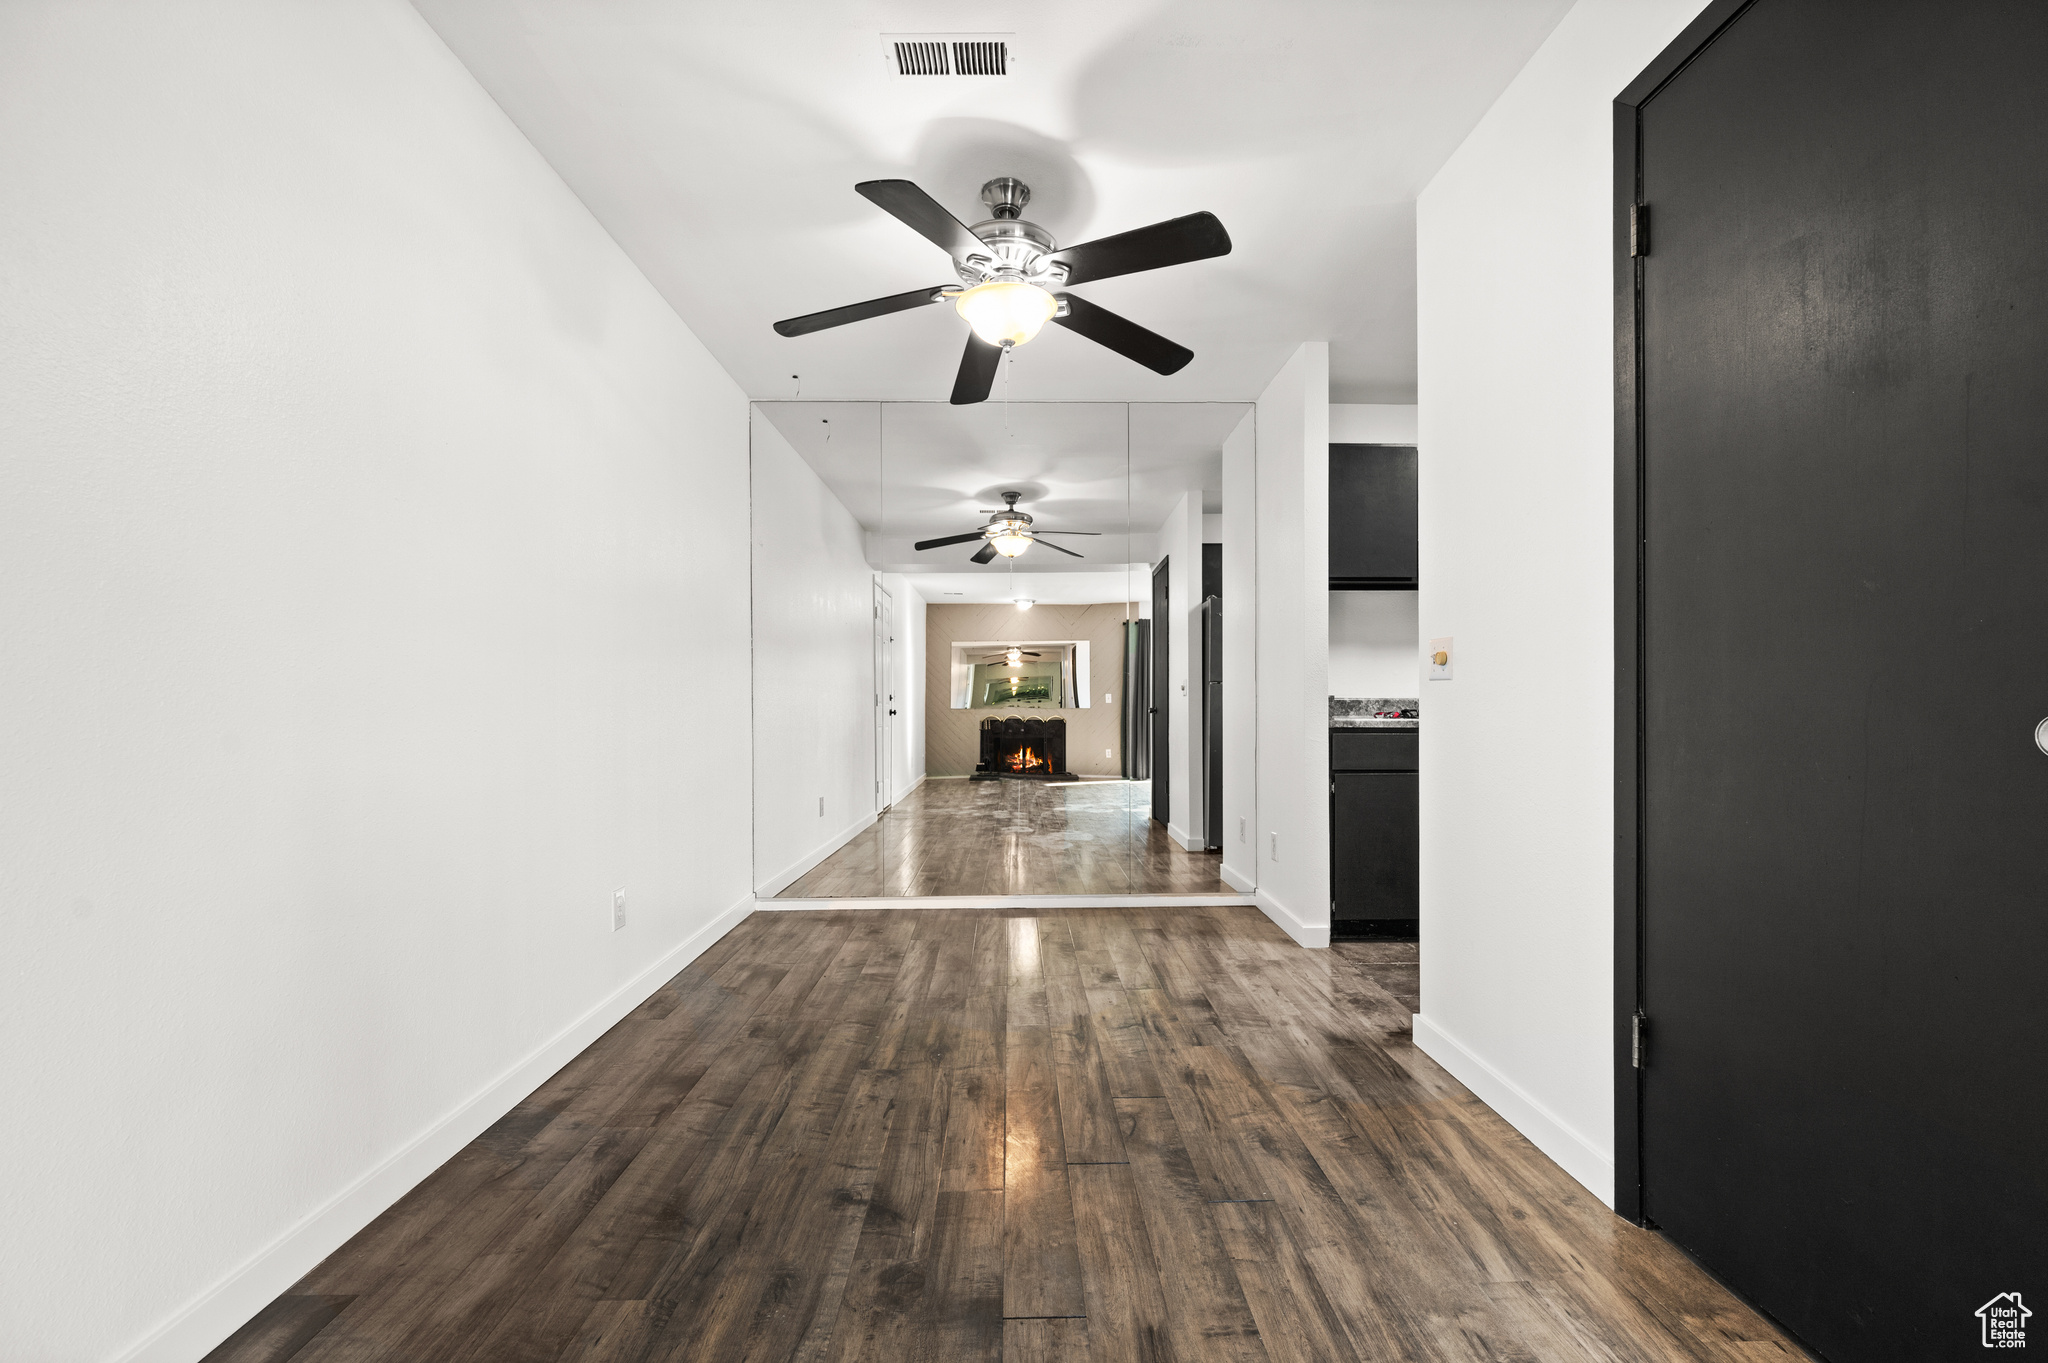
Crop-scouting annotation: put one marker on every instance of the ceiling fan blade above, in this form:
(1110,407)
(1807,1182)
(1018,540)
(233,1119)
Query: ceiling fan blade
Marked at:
(950,539)
(984,554)
(1050,545)
(977,371)
(1198,236)
(858,312)
(1124,336)
(1036,531)
(920,212)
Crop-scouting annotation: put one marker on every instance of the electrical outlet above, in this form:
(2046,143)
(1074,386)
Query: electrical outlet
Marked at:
(1276,846)
(1240,830)
(821,806)
(618,909)
(1109,697)
(1106,752)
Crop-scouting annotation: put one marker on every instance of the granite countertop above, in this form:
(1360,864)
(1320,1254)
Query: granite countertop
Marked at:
(1360,712)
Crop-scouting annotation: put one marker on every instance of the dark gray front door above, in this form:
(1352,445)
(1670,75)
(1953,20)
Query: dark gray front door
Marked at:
(1844,946)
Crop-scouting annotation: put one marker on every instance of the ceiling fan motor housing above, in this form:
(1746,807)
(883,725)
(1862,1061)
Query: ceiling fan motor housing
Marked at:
(1016,249)
(1011,516)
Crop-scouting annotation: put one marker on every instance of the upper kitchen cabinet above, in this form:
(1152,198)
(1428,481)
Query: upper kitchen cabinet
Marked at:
(1372,518)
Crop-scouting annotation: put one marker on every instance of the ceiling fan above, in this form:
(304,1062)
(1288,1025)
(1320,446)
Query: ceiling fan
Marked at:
(1008,533)
(1013,657)
(1010,269)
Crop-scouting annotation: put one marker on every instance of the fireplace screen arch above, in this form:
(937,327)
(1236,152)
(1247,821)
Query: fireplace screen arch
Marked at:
(1028,748)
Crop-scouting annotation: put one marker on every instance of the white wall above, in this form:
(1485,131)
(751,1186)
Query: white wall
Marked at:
(1517,428)
(1240,869)
(1373,645)
(1293,505)
(358,505)
(1179,541)
(908,768)
(1372,423)
(814,660)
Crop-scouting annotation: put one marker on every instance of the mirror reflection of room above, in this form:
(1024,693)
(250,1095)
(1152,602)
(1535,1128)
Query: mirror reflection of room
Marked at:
(1014,600)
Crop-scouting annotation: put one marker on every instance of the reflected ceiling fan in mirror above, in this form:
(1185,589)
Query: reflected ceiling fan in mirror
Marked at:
(1009,532)
(1010,270)
(1012,657)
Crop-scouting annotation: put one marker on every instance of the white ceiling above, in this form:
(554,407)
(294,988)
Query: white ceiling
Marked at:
(719,144)
(920,470)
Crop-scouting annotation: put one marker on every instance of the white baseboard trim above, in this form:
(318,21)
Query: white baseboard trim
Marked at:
(197,1328)
(1304,932)
(1237,880)
(1015,901)
(796,870)
(1186,841)
(1546,1131)
(904,793)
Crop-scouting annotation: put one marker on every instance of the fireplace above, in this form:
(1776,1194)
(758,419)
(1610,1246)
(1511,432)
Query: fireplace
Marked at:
(1023,749)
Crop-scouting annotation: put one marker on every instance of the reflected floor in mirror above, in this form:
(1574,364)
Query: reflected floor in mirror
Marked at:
(959,837)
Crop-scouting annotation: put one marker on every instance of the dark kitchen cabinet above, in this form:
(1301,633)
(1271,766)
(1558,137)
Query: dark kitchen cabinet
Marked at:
(1372,518)
(1374,834)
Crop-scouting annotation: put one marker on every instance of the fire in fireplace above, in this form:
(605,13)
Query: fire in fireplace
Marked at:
(1023,748)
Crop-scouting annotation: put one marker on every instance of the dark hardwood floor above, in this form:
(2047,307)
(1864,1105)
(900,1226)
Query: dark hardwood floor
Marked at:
(953,837)
(1085,1135)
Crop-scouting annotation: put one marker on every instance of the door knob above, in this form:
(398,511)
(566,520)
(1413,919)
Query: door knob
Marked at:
(2041,735)
(1439,657)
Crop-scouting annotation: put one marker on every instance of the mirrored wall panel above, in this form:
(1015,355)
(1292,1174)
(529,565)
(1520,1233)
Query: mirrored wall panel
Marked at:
(995,648)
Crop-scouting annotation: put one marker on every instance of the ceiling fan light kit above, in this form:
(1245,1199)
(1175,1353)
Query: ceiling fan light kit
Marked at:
(1012,270)
(1009,532)
(1006,312)
(1010,541)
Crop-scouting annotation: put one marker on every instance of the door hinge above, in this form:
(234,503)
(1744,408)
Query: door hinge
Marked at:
(1638,230)
(1635,1029)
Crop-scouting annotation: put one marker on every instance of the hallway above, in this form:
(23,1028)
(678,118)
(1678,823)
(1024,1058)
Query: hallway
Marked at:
(1097,1134)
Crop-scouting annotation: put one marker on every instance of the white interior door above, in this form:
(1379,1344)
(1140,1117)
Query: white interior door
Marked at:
(885,698)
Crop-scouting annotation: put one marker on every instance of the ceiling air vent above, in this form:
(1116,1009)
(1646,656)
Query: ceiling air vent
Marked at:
(919,55)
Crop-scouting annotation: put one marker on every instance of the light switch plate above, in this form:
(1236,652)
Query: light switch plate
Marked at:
(1432,669)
